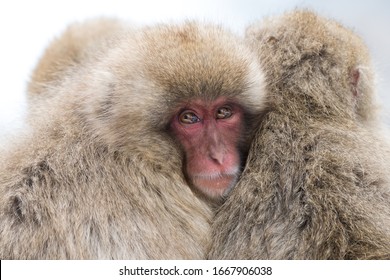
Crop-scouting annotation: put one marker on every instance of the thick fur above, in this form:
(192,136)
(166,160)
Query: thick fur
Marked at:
(79,43)
(99,175)
(316,184)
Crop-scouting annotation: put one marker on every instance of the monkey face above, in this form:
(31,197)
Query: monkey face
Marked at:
(209,133)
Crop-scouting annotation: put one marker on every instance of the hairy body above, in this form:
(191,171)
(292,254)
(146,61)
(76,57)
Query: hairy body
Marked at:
(316,183)
(106,171)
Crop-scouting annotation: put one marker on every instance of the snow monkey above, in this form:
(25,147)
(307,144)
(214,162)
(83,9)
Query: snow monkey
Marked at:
(316,183)
(135,136)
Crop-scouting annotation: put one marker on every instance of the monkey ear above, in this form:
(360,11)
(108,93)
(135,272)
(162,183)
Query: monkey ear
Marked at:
(355,78)
(362,93)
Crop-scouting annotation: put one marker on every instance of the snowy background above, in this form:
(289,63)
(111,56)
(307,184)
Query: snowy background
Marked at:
(26,28)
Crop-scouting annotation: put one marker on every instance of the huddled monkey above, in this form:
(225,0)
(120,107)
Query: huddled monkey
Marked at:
(136,135)
(316,184)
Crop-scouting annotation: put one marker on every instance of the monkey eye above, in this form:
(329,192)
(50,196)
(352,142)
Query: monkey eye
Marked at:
(188,118)
(224,113)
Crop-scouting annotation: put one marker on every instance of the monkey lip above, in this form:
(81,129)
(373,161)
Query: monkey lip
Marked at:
(214,184)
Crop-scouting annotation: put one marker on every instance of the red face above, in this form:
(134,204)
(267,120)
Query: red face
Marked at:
(209,133)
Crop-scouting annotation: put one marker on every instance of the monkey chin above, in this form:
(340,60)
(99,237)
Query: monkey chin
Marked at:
(214,186)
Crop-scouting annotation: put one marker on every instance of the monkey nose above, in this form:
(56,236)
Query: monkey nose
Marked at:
(217,156)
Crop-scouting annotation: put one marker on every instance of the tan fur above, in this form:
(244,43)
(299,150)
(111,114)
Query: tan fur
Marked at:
(100,176)
(79,43)
(316,184)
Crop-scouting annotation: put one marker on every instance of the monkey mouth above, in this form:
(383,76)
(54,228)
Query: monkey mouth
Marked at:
(214,185)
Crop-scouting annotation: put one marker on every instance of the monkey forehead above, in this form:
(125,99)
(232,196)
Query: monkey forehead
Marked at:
(194,60)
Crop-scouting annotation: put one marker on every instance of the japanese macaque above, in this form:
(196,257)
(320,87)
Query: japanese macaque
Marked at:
(131,146)
(316,183)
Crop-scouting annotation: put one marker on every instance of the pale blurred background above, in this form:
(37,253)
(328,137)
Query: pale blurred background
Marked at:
(26,28)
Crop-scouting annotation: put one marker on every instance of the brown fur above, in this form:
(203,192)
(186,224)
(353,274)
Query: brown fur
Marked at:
(316,184)
(100,176)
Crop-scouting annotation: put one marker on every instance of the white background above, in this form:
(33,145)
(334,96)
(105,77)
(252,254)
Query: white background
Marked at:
(26,28)
(281,270)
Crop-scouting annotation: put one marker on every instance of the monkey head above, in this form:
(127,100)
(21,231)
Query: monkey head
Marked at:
(198,84)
